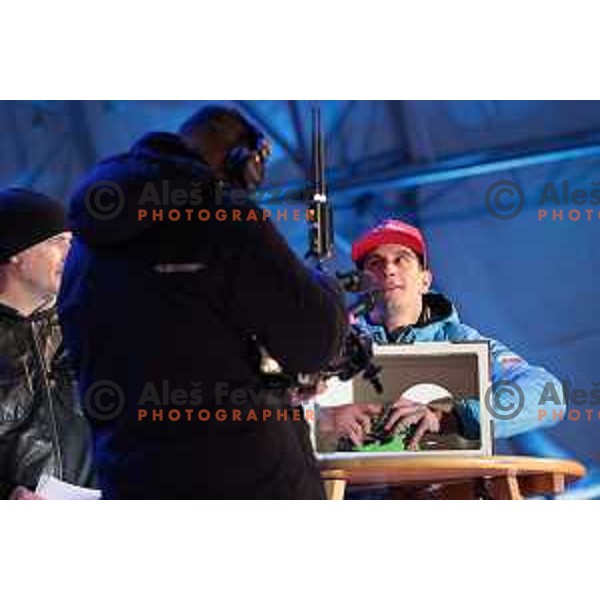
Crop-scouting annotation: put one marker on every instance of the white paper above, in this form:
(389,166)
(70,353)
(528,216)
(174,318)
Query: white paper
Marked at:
(424,393)
(52,488)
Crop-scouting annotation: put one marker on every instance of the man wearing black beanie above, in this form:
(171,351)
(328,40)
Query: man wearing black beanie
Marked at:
(42,431)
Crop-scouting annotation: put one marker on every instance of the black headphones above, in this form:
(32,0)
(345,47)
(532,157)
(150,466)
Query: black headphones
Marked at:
(245,165)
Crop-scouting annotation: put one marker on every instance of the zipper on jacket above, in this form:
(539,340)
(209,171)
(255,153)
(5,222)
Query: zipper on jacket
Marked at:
(402,339)
(48,392)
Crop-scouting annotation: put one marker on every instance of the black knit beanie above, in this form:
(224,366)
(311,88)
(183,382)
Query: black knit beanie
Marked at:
(26,219)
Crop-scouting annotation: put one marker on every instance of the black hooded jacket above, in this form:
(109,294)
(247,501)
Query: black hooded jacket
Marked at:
(157,311)
(42,427)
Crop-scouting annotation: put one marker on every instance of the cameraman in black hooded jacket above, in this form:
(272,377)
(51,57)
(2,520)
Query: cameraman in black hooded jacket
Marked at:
(155,310)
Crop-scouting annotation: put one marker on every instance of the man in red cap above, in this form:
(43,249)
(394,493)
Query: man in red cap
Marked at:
(394,254)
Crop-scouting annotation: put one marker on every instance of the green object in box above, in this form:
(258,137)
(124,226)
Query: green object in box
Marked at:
(395,444)
(379,440)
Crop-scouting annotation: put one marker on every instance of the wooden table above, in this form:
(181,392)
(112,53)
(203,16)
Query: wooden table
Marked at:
(493,477)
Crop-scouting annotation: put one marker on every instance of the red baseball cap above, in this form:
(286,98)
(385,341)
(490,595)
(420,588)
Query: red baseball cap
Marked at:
(391,231)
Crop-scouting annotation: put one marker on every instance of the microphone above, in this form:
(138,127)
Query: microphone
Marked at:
(365,285)
(320,233)
(356,282)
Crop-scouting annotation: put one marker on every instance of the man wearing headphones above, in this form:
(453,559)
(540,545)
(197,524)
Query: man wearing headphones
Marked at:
(167,322)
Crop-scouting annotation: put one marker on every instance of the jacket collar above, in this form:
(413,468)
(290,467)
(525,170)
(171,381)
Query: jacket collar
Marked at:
(437,310)
(10,314)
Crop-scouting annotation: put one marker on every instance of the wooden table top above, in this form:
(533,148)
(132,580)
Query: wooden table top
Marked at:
(430,469)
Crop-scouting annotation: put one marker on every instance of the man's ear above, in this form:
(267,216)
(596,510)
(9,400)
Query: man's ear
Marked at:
(426,281)
(15,261)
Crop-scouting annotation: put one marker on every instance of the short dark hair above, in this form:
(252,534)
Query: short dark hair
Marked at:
(223,125)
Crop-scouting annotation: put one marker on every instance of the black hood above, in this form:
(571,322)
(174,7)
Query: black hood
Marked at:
(104,207)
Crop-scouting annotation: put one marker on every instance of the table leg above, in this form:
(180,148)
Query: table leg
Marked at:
(504,487)
(334,488)
(542,484)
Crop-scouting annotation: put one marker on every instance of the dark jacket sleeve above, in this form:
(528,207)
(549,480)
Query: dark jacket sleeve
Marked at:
(7,442)
(10,391)
(6,488)
(298,314)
